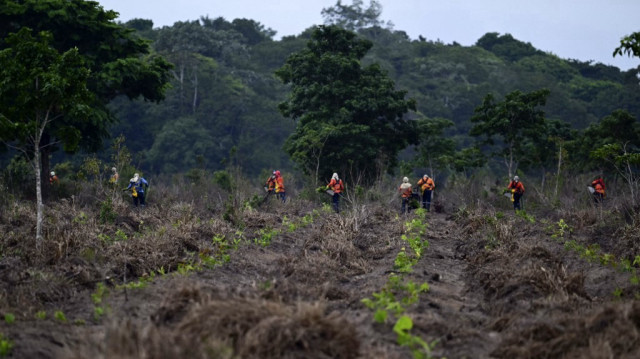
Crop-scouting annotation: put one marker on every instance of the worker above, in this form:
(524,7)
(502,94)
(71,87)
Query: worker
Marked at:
(517,190)
(114,176)
(598,189)
(337,187)
(280,192)
(271,184)
(426,186)
(137,186)
(53,179)
(405,192)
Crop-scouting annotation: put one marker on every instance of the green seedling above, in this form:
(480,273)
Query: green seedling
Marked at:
(6,345)
(9,318)
(41,315)
(59,316)
(420,349)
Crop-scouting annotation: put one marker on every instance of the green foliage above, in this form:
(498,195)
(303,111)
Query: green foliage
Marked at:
(41,315)
(107,213)
(121,235)
(6,346)
(9,318)
(404,263)
(59,316)
(223,179)
(346,114)
(515,121)
(353,17)
(266,235)
(524,215)
(419,348)
(81,218)
(629,45)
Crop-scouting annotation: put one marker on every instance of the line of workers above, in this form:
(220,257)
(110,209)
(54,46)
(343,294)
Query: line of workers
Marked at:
(515,189)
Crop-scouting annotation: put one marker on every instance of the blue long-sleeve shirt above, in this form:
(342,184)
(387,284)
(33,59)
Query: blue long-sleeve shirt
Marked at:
(139,185)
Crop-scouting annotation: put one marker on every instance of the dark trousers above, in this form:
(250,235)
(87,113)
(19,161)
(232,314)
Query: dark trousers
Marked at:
(516,201)
(139,199)
(426,199)
(598,197)
(282,196)
(405,205)
(336,202)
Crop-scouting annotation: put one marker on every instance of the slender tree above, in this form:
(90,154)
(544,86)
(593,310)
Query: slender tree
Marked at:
(38,87)
(513,121)
(119,64)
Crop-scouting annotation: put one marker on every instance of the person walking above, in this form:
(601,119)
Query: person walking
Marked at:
(337,187)
(114,176)
(426,186)
(598,190)
(279,186)
(405,192)
(517,190)
(53,179)
(137,186)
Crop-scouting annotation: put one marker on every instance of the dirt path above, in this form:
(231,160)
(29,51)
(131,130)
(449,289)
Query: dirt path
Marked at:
(452,313)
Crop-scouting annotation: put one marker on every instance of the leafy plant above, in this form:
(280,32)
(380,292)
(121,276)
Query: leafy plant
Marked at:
(59,316)
(9,318)
(6,345)
(120,235)
(41,315)
(266,235)
(107,213)
(403,263)
(419,348)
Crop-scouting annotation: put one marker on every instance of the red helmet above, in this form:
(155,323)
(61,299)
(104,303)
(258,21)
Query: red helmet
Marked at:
(277,173)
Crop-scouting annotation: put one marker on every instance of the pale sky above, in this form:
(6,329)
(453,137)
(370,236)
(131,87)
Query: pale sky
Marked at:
(571,29)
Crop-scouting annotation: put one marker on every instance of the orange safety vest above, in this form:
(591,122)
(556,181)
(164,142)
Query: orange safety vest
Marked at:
(406,193)
(279,184)
(598,185)
(271,183)
(426,184)
(517,186)
(336,186)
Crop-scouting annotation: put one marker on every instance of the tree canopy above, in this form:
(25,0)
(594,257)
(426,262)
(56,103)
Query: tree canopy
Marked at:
(351,114)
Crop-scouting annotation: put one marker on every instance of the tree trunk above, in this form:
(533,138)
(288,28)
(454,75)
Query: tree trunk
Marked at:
(195,90)
(558,171)
(39,205)
(45,165)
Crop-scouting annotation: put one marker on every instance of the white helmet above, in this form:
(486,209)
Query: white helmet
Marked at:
(516,178)
(53,173)
(113,169)
(335,176)
(405,180)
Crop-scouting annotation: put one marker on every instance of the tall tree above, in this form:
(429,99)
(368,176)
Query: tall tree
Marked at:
(353,17)
(355,110)
(629,45)
(513,121)
(119,62)
(435,150)
(38,87)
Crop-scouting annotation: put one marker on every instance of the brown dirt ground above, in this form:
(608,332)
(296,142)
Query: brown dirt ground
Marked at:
(497,290)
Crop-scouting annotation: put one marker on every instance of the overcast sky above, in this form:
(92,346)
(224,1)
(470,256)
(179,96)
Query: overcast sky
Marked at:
(572,29)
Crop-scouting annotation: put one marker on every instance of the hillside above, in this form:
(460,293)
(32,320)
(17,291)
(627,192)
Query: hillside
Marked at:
(225,95)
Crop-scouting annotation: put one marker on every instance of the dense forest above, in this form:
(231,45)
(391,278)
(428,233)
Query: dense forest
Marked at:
(221,107)
(224,96)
